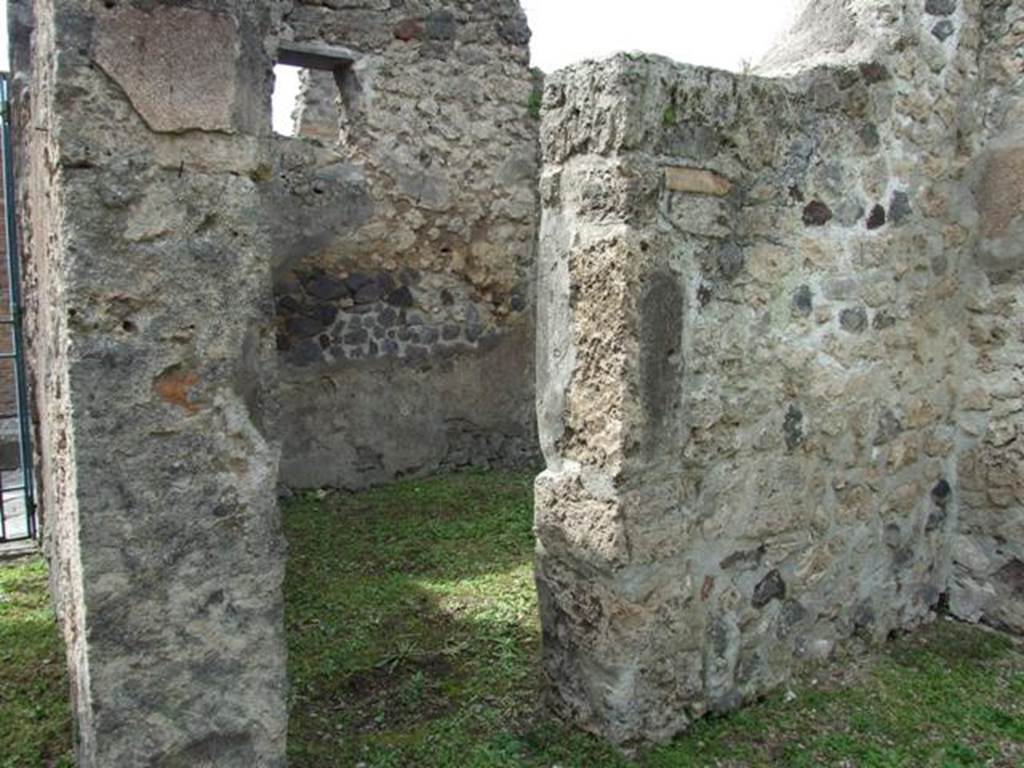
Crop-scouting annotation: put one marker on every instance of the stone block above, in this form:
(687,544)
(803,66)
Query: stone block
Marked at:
(696,181)
(177,66)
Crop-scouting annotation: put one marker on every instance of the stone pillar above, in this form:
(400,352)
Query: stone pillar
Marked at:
(748,367)
(988,551)
(610,317)
(149,313)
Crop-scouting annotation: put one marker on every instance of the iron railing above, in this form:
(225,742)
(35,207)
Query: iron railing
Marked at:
(17,502)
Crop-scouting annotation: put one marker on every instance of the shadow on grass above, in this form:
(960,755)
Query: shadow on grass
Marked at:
(414,641)
(411,619)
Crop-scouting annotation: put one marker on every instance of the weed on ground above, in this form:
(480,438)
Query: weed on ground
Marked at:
(414,641)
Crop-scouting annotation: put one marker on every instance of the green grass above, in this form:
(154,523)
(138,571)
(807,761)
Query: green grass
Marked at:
(413,641)
(35,717)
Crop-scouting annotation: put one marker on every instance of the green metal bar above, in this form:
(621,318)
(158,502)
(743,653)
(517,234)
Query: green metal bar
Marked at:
(14,294)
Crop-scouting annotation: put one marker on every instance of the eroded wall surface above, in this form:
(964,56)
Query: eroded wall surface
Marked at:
(404,227)
(988,550)
(753,295)
(149,314)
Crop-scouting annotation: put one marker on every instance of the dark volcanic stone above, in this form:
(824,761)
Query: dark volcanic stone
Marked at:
(873,72)
(441,25)
(450,332)
(889,427)
(401,297)
(876,218)
(730,260)
(939,7)
(325,287)
(325,313)
(853,320)
(803,301)
(704,295)
(744,560)
(289,304)
(899,207)
(359,336)
(357,280)
(369,293)
(793,428)
(304,327)
(772,587)
(941,492)
(514,30)
(817,214)
(943,30)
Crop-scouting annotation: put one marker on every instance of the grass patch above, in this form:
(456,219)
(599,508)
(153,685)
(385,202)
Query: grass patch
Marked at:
(35,716)
(414,639)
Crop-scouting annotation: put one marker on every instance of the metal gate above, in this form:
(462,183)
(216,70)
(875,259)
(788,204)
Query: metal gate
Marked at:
(17,507)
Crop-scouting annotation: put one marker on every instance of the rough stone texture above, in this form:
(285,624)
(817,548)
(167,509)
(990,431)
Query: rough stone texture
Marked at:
(786,414)
(988,549)
(141,52)
(149,303)
(780,394)
(404,241)
(318,107)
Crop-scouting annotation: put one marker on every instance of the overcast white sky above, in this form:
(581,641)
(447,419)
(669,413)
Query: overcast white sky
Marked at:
(717,33)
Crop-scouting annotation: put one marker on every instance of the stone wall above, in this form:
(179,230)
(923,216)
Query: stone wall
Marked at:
(404,230)
(753,360)
(988,549)
(779,319)
(149,316)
